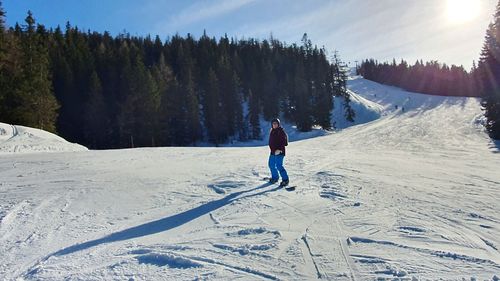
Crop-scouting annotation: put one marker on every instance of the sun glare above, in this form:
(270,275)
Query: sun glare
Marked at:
(460,11)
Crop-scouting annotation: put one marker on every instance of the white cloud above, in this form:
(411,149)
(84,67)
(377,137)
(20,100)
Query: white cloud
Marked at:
(204,10)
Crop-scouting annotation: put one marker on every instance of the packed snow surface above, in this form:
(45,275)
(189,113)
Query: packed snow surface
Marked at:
(411,195)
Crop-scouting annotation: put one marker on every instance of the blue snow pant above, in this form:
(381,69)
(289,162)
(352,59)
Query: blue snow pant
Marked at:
(276,165)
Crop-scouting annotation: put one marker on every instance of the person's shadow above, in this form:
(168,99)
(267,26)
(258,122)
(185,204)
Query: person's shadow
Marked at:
(163,224)
(495,146)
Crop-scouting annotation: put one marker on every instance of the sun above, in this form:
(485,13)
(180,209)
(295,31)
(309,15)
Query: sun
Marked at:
(461,11)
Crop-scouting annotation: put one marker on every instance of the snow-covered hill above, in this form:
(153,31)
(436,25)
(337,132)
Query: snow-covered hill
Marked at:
(20,139)
(411,195)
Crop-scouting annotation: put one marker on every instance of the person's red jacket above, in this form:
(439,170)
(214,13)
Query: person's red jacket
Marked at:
(278,139)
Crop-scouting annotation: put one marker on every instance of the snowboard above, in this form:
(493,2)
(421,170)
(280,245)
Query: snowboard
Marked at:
(266,179)
(287,187)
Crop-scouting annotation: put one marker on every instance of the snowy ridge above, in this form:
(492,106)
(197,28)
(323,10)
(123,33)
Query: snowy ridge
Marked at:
(410,195)
(20,139)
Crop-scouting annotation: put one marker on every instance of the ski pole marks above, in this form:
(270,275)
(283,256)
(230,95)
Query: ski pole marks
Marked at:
(306,243)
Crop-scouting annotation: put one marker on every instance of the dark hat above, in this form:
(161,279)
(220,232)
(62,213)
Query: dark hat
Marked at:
(275,120)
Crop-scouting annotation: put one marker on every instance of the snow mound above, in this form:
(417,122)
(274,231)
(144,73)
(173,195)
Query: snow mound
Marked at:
(20,139)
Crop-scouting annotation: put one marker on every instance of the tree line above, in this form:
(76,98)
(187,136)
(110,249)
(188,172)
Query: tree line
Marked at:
(107,91)
(431,78)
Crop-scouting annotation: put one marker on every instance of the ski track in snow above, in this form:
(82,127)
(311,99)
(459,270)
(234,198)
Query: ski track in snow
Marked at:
(407,195)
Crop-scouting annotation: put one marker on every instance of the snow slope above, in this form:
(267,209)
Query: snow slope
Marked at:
(365,110)
(20,139)
(411,195)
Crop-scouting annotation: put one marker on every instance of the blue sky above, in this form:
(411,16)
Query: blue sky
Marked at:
(358,29)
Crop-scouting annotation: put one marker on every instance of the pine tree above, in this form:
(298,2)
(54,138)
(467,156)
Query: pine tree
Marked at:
(340,87)
(175,127)
(193,126)
(230,95)
(270,92)
(322,91)
(253,115)
(215,122)
(3,65)
(95,120)
(188,101)
(163,76)
(139,110)
(124,97)
(11,70)
(2,20)
(38,106)
(236,104)
(172,126)
(301,98)
(306,45)
(489,76)
(63,85)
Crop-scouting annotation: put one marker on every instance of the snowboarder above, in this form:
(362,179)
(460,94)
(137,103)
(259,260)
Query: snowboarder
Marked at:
(278,139)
